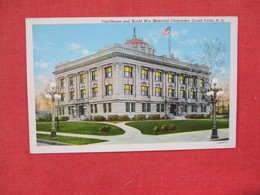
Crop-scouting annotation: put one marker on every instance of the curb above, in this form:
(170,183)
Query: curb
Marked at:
(51,142)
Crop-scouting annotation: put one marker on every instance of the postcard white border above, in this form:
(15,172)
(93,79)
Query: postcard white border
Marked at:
(231,143)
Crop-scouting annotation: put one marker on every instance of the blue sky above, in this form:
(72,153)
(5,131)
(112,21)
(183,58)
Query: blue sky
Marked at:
(56,43)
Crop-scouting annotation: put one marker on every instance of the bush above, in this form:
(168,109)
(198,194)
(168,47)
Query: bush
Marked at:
(154,117)
(124,118)
(105,128)
(156,129)
(172,127)
(64,118)
(197,116)
(112,118)
(99,118)
(139,117)
(165,128)
(45,118)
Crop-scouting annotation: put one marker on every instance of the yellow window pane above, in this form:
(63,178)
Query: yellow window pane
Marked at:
(94,73)
(84,91)
(158,74)
(62,81)
(181,92)
(109,69)
(72,78)
(83,76)
(181,78)
(170,90)
(95,89)
(109,87)
(201,81)
(170,76)
(158,89)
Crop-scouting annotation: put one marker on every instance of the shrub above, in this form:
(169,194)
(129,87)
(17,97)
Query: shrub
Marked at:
(45,118)
(139,117)
(154,117)
(64,118)
(112,118)
(165,128)
(99,118)
(123,118)
(172,127)
(156,129)
(197,116)
(105,128)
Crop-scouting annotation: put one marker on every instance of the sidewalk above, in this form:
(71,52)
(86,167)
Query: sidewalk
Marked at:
(134,136)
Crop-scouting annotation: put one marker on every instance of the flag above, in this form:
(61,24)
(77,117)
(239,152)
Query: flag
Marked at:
(166,31)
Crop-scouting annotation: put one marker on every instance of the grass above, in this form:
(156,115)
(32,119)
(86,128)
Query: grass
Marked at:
(70,140)
(88,128)
(181,126)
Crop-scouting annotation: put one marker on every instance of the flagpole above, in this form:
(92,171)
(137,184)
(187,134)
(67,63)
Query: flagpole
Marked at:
(170,43)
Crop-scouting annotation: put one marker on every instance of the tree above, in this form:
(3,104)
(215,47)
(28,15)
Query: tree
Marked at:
(212,53)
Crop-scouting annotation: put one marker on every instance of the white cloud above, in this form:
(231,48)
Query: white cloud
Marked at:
(175,34)
(74,46)
(85,52)
(41,64)
(178,53)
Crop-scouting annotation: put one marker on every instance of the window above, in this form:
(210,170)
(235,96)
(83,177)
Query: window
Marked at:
(132,107)
(70,109)
(72,80)
(192,95)
(171,92)
(170,78)
(193,108)
(158,107)
(108,72)
(109,107)
(144,74)
(144,91)
(62,97)
(105,107)
(95,92)
(62,83)
(182,93)
(82,78)
(94,75)
(72,95)
(202,95)
(203,108)
(128,71)
(202,83)
(83,93)
(158,76)
(146,107)
(192,81)
(143,107)
(127,107)
(162,107)
(182,80)
(61,110)
(95,108)
(158,91)
(128,89)
(109,90)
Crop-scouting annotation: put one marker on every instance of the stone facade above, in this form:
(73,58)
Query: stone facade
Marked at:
(130,80)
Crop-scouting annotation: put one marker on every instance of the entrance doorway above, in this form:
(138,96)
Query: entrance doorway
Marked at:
(173,109)
(81,110)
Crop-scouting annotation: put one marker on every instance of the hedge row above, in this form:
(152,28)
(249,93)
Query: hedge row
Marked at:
(197,116)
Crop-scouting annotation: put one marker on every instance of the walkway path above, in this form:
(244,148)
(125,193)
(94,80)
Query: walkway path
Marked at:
(134,136)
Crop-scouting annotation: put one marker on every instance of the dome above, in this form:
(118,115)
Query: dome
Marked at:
(139,44)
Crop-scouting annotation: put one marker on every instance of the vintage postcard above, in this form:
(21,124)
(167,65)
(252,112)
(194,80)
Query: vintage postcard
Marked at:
(131,84)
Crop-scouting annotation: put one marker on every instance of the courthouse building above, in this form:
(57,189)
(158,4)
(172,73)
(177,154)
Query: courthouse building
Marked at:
(130,79)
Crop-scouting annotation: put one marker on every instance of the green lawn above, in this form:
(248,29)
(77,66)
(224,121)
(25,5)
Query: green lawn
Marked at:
(70,140)
(89,128)
(147,127)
